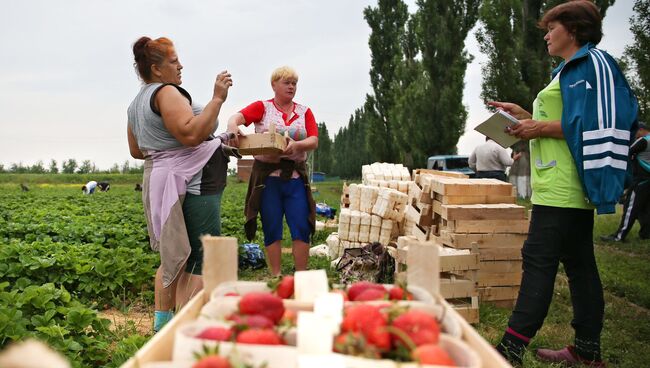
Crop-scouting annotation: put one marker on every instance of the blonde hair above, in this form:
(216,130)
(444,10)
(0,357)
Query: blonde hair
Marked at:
(283,72)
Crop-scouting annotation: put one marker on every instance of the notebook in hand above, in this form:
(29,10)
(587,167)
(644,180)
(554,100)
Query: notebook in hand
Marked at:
(494,128)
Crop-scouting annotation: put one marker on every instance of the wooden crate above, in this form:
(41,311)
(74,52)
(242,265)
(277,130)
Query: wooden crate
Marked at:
(160,347)
(269,143)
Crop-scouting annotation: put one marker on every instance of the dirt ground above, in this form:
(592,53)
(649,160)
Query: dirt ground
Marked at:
(141,318)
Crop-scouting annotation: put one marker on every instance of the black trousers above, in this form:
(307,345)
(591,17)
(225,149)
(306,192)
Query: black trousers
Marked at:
(560,235)
(501,175)
(636,207)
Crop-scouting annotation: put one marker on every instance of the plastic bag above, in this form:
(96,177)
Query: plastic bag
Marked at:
(251,256)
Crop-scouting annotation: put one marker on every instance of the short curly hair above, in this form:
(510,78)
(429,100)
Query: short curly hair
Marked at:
(581,18)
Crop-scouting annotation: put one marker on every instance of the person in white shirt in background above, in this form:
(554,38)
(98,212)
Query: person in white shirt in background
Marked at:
(89,188)
(490,160)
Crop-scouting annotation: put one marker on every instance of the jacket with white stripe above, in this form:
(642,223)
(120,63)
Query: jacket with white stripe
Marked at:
(599,117)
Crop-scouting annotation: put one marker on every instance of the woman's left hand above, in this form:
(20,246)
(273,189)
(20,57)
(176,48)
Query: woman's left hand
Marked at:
(526,129)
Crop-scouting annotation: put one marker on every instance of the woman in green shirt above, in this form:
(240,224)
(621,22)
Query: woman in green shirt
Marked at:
(561,226)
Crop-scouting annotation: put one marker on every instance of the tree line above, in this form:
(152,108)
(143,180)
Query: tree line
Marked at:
(418,64)
(71,166)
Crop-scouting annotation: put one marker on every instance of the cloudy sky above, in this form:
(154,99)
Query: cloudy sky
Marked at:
(67,76)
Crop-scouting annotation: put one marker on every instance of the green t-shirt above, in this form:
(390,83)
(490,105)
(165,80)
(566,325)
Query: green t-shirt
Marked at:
(554,177)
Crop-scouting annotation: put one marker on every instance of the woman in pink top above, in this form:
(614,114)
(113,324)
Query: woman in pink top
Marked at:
(279,186)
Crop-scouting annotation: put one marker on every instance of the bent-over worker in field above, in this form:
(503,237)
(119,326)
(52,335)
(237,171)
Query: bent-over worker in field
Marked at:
(89,188)
(174,136)
(279,186)
(579,135)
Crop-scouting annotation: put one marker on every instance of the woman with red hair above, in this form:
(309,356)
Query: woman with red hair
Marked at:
(184,172)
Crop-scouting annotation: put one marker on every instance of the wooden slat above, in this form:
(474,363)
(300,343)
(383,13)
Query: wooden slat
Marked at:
(475,199)
(464,241)
(457,288)
(500,266)
(470,187)
(487,226)
(498,293)
(498,279)
(502,211)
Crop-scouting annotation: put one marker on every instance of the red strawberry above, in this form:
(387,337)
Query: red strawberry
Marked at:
(252,321)
(265,304)
(371,294)
(420,327)
(398,293)
(282,286)
(212,361)
(368,320)
(285,288)
(358,287)
(432,354)
(261,337)
(215,333)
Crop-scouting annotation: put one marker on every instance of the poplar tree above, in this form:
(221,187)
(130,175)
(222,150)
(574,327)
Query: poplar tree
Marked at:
(518,64)
(430,106)
(323,154)
(387,23)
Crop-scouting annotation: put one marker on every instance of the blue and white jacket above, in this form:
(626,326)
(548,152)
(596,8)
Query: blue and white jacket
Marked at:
(599,117)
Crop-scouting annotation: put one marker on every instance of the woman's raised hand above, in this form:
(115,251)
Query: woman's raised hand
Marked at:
(513,109)
(221,85)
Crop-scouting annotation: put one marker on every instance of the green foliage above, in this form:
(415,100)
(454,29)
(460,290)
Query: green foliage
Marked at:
(69,166)
(387,23)
(51,314)
(518,64)
(637,57)
(95,246)
(77,179)
(349,147)
(54,167)
(323,155)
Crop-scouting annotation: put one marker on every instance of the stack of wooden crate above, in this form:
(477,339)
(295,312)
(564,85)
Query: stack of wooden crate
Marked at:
(481,213)
(457,277)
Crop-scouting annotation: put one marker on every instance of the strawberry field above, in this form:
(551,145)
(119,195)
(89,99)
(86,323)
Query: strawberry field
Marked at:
(67,258)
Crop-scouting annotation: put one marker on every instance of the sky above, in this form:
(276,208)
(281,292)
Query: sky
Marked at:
(67,76)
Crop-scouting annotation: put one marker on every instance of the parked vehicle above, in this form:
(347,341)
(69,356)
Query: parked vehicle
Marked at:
(458,163)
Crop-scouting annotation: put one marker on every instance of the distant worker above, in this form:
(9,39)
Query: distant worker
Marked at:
(89,188)
(138,187)
(489,160)
(637,200)
(24,187)
(104,186)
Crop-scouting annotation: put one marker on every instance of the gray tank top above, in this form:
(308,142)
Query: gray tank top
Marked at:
(149,130)
(147,126)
